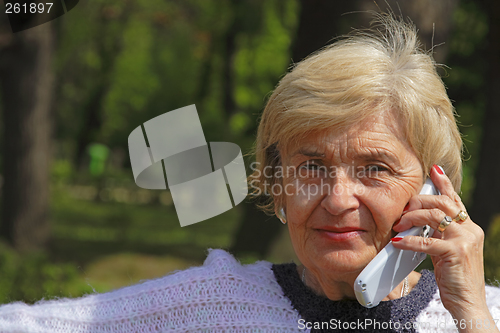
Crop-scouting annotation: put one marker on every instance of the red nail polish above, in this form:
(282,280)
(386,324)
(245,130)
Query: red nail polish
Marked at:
(406,208)
(397,222)
(396,239)
(438,169)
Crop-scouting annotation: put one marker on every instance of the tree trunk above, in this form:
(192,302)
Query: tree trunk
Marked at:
(486,198)
(27,81)
(319,23)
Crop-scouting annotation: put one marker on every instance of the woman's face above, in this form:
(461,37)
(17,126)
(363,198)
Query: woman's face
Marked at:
(344,192)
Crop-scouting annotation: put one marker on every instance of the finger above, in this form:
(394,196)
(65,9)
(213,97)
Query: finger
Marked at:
(442,202)
(419,218)
(431,246)
(443,183)
(465,247)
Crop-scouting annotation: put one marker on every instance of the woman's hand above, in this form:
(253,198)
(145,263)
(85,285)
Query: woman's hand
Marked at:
(457,252)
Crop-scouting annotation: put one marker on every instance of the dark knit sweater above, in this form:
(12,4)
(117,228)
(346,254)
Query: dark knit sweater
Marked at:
(334,316)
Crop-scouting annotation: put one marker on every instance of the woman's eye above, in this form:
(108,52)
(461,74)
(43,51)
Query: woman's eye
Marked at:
(374,169)
(311,168)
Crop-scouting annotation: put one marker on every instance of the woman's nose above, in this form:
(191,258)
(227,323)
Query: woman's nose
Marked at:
(340,195)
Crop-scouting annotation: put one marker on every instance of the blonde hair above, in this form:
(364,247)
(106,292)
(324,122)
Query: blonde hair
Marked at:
(358,76)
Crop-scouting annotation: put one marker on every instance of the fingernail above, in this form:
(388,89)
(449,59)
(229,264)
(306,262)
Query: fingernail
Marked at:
(396,239)
(397,222)
(406,208)
(439,169)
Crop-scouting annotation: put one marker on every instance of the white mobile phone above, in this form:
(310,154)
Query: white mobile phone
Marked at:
(391,265)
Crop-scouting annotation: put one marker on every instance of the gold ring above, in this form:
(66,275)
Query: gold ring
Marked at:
(461,216)
(445,223)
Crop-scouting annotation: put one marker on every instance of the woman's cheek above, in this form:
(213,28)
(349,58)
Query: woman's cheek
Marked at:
(307,190)
(301,198)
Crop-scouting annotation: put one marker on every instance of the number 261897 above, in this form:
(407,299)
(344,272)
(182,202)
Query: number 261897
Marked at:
(28,8)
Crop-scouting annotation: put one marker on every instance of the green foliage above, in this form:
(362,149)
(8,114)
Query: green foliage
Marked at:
(491,251)
(131,61)
(33,276)
(465,82)
(134,80)
(62,171)
(260,60)
(105,223)
(240,122)
(470,28)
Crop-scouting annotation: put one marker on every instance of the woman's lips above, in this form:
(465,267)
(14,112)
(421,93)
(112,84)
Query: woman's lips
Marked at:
(339,235)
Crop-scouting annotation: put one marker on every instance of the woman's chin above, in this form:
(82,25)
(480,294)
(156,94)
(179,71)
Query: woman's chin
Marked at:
(346,261)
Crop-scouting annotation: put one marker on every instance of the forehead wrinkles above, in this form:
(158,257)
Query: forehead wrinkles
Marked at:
(375,132)
(360,145)
(381,132)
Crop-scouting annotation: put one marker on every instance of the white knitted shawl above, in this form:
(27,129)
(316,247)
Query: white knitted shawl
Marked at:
(220,296)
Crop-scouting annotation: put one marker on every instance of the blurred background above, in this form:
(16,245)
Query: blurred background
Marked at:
(72,219)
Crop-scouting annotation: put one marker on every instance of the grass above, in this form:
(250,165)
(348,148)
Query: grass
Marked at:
(124,269)
(108,245)
(491,252)
(86,230)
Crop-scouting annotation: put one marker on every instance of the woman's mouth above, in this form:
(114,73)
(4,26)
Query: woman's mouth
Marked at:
(340,234)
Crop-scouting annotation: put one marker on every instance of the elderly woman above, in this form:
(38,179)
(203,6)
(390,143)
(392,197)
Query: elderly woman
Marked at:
(350,135)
